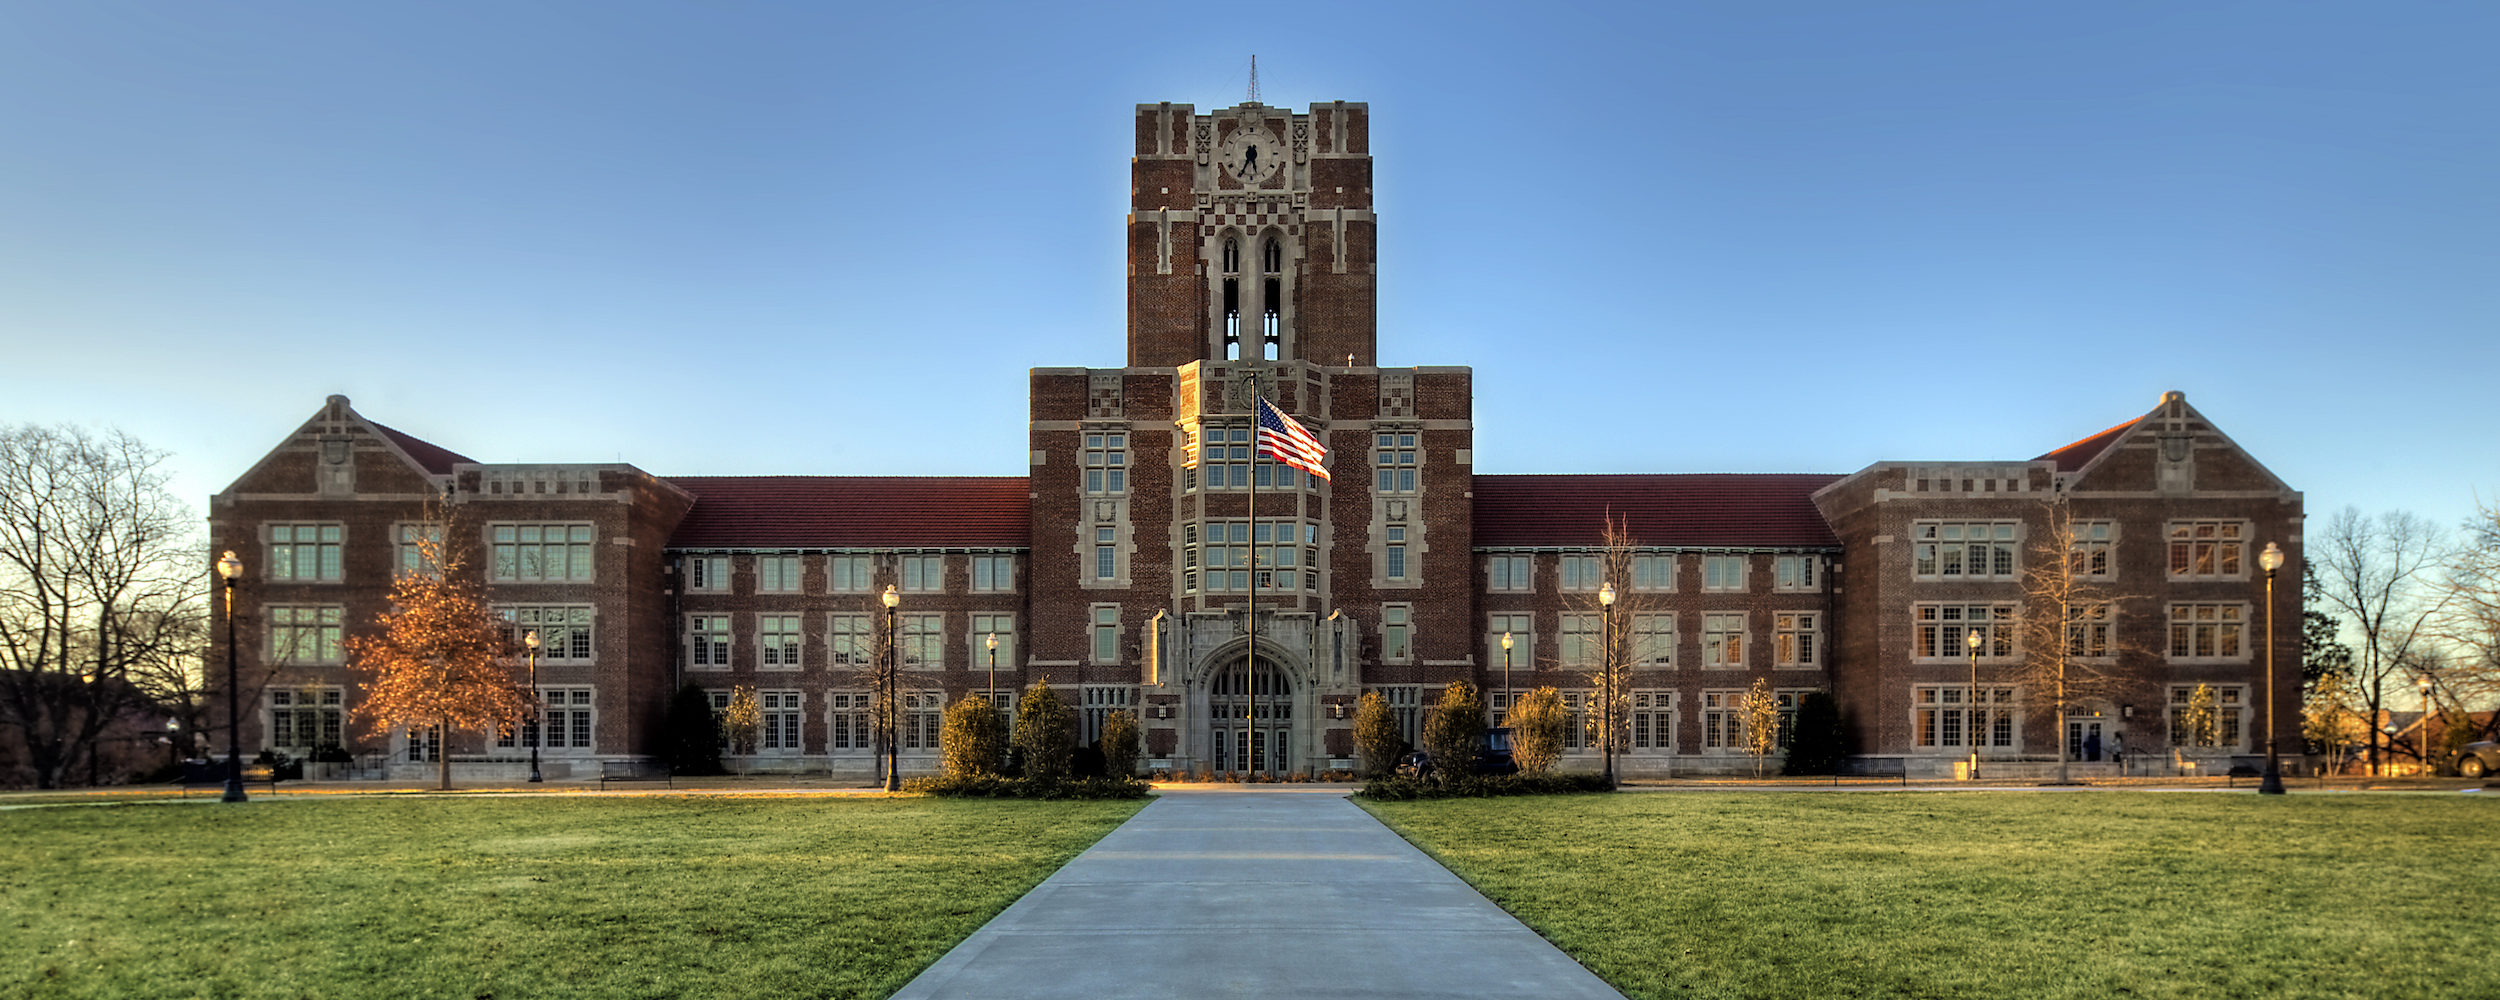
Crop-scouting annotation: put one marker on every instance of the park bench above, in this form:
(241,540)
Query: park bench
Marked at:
(634,770)
(212,774)
(1895,768)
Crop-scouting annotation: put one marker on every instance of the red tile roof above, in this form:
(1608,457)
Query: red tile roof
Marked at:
(1706,511)
(436,459)
(853,511)
(2081,453)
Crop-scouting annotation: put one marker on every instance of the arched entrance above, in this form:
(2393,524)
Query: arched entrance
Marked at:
(1239,740)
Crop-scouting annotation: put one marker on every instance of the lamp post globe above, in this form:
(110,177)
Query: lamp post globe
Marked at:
(991,692)
(1606,676)
(538,722)
(229,569)
(893,757)
(2272,784)
(1506,697)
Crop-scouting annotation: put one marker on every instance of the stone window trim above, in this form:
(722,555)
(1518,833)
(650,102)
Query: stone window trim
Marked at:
(1938,631)
(1726,573)
(1397,633)
(305,634)
(1798,572)
(1510,573)
(780,573)
(303,551)
(541,552)
(1797,640)
(1941,714)
(708,642)
(850,573)
(1724,638)
(780,640)
(2210,632)
(2208,549)
(707,573)
(2094,555)
(1103,634)
(1654,572)
(1966,550)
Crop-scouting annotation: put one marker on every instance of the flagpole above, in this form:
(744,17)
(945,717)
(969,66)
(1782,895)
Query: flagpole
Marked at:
(1250,604)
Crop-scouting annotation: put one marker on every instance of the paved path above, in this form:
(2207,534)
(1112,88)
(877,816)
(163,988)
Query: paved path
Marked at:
(1281,893)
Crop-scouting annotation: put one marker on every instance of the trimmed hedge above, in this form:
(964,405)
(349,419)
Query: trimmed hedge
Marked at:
(1403,789)
(990,786)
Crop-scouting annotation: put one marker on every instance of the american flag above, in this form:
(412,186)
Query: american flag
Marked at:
(1285,441)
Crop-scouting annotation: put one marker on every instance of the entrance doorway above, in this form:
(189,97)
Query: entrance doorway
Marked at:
(1237,742)
(2086,741)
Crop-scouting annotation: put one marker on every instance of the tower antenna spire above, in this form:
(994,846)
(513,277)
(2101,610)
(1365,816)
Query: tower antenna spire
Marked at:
(1254,78)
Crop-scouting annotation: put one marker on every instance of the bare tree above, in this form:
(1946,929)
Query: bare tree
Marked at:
(2469,617)
(98,574)
(2378,571)
(2071,645)
(1617,649)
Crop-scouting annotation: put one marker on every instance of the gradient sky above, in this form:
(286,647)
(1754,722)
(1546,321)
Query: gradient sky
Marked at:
(747,238)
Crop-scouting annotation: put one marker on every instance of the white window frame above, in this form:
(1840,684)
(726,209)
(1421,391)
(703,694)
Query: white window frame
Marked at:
(707,574)
(850,573)
(920,573)
(1796,573)
(1105,461)
(1937,631)
(325,704)
(1522,628)
(306,634)
(850,641)
(1103,634)
(920,640)
(327,545)
(983,625)
(567,633)
(1397,633)
(1654,572)
(2091,631)
(507,546)
(570,715)
(1394,565)
(1725,572)
(2231,716)
(1943,550)
(1106,553)
(2217,624)
(1510,573)
(708,642)
(409,554)
(1654,640)
(779,573)
(780,640)
(1580,640)
(782,731)
(993,573)
(1724,638)
(1941,714)
(1796,639)
(1578,572)
(2094,555)
(1653,721)
(2207,549)
(850,722)
(1394,463)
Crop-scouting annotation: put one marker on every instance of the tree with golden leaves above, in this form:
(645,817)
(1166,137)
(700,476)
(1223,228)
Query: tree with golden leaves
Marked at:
(441,658)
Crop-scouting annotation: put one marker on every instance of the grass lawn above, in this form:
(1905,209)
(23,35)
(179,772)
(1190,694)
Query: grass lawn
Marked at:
(1994,895)
(513,897)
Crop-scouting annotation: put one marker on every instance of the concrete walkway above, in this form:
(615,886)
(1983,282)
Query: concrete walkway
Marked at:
(1254,893)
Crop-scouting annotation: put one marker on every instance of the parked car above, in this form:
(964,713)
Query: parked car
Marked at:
(2476,760)
(1492,757)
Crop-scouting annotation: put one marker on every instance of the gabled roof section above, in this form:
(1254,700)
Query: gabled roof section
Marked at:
(433,458)
(2081,453)
(882,512)
(1730,510)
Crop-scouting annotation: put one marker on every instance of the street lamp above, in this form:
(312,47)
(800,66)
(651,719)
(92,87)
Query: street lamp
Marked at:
(1971,639)
(1606,677)
(2424,740)
(538,723)
(893,759)
(228,569)
(2272,784)
(991,692)
(1506,696)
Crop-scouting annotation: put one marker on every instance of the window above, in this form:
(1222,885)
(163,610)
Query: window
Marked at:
(848,641)
(921,642)
(2230,704)
(1653,640)
(1106,462)
(414,542)
(848,718)
(1576,722)
(1497,707)
(2206,631)
(1723,640)
(924,573)
(1393,461)
(2087,631)
(1796,573)
(777,574)
(1580,572)
(849,575)
(1509,572)
(985,626)
(1945,716)
(1224,456)
(1580,641)
(1106,627)
(780,732)
(304,553)
(777,642)
(1106,553)
(1943,628)
(2091,556)
(1100,700)
(707,573)
(1963,550)
(1796,639)
(707,642)
(567,714)
(2209,550)
(1653,721)
(304,633)
(564,632)
(1786,702)
(1228,549)
(919,714)
(1723,572)
(1396,639)
(993,573)
(1393,564)
(1653,572)
(543,553)
(1522,630)
(305,719)
(1723,720)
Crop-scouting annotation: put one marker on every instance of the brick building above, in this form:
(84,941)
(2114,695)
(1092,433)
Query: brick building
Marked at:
(1124,564)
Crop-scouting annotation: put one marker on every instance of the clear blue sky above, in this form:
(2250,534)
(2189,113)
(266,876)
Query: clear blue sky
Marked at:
(749,238)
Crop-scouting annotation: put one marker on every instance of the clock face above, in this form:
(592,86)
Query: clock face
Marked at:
(1251,155)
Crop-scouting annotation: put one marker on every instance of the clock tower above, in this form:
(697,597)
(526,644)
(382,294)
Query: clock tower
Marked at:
(1251,236)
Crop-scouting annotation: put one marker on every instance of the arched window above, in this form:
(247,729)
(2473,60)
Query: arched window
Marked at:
(1272,260)
(1232,256)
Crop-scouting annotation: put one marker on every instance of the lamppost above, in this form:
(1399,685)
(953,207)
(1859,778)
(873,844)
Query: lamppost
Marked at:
(538,721)
(2424,741)
(2272,783)
(991,692)
(893,759)
(1606,677)
(1971,639)
(228,569)
(1506,696)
